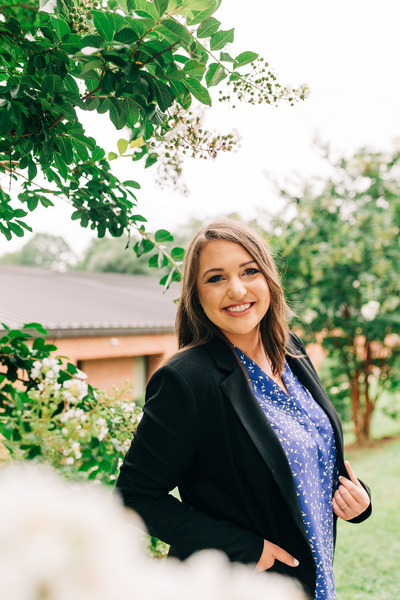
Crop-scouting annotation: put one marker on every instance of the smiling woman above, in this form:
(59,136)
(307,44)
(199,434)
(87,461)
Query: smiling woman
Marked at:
(239,421)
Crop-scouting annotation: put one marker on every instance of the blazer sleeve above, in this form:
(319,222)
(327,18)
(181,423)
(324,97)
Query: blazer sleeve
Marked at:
(163,449)
(367,512)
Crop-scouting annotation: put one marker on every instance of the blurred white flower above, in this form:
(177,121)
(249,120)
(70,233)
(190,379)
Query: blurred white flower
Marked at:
(370,310)
(80,374)
(74,390)
(102,433)
(62,541)
(48,368)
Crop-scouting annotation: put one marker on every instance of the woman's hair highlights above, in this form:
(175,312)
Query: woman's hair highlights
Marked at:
(193,327)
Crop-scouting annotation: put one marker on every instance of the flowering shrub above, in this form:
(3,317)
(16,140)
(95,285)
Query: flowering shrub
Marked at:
(55,415)
(62,541)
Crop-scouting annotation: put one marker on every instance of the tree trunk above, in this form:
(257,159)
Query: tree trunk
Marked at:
(362,408)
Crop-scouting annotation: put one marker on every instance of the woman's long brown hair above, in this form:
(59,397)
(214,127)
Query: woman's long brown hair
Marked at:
(194,328)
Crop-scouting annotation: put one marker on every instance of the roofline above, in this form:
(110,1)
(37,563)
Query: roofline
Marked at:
(99,332)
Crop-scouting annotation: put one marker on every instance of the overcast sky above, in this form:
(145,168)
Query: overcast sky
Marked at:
(347,52)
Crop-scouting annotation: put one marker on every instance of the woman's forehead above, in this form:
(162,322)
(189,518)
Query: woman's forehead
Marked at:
(224,253)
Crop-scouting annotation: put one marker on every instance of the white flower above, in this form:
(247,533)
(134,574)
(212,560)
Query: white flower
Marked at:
(69,460)
(80,374)
(63,541)
(74,390)
(370,310)
(64,430)
(102,433)
(100,422)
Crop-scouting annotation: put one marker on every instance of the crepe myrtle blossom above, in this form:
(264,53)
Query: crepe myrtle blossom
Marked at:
(74,390)
(370,310)
(102,424)
(48,368)
(63,541)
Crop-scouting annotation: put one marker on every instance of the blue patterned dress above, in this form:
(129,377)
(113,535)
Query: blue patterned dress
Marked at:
(307,438)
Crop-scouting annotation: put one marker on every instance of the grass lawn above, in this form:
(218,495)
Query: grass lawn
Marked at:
(367,559)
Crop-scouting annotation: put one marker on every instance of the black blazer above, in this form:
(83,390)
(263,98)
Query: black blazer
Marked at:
(204,431)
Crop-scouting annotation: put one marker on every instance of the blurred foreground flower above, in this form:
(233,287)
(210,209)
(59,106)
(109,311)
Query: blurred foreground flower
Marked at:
(62,541)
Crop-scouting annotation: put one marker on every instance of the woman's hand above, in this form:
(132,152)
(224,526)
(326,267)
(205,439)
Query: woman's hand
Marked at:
(272,552)
(350,499)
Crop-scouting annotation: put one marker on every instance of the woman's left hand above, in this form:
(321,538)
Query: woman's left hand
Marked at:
(350,499)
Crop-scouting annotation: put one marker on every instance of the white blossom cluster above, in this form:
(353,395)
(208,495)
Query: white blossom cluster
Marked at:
(62,541)
(48,368)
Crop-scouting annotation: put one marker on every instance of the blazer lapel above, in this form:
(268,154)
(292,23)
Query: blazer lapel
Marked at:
(252,417)
(304,371)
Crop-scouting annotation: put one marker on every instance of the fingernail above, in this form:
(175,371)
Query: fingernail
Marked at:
(340,476)
(296,562)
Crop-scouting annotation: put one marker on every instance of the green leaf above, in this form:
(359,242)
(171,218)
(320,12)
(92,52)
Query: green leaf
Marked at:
(178,30)
(151,159)
(245,58)
(132,112)
(198,91)
(52,83)
(143,246)
(162,235)
(126,36)
(65,147)
(32,169)
(112,156)
(225,57)
(37,326)
(221,38)
(215,74)
(208,28)
(118,113)
(60,27)
(201,15)
(194,68)
(122,145)
(103,25)
(61,166)
(138,218)
(164,95)
(133,184)
(177,253)
(161,6)
(16,229)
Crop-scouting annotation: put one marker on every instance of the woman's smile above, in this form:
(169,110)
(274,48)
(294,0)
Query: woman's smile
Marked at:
(239,310)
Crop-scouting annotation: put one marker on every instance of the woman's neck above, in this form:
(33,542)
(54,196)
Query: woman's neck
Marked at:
(251,344)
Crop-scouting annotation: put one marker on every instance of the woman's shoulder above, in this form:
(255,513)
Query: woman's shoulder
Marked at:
(190,360)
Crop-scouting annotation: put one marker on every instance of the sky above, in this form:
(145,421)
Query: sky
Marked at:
(347,52)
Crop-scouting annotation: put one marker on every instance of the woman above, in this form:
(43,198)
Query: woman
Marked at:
(239,421)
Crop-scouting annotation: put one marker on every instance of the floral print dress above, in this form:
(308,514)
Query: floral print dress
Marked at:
(307,438)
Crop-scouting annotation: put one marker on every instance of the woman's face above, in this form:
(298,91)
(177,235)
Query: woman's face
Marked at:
(232,291)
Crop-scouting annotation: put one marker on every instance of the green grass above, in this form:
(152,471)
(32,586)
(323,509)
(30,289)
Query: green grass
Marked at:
(367,559)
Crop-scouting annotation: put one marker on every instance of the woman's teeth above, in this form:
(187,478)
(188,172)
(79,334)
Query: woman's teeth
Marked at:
(240,308)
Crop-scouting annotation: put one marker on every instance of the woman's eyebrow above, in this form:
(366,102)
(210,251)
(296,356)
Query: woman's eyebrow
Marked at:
(220,269)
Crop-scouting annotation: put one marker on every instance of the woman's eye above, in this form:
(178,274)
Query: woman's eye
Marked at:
(251,271)
(214,279)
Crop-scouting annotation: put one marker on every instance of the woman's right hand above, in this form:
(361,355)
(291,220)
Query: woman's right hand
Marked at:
(271,553)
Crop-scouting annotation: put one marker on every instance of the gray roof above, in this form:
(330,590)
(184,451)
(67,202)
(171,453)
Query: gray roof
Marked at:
(77,303)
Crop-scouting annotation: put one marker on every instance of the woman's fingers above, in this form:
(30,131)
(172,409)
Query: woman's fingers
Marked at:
(272,552)
(350,499)
(351,473)
(285,557)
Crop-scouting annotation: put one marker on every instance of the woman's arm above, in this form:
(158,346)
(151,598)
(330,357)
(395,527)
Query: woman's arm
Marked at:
(163,448)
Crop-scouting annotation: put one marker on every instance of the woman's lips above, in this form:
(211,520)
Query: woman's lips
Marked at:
(239,310)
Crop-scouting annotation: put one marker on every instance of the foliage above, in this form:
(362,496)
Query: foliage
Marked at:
(54,416)
(111,255)
(365,563)
(341,249)
(141,61)
(42,250)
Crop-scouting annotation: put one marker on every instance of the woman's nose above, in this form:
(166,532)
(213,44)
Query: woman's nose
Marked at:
(237,290)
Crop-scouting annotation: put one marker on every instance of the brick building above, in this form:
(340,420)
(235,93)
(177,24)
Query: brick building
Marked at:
(114,327)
